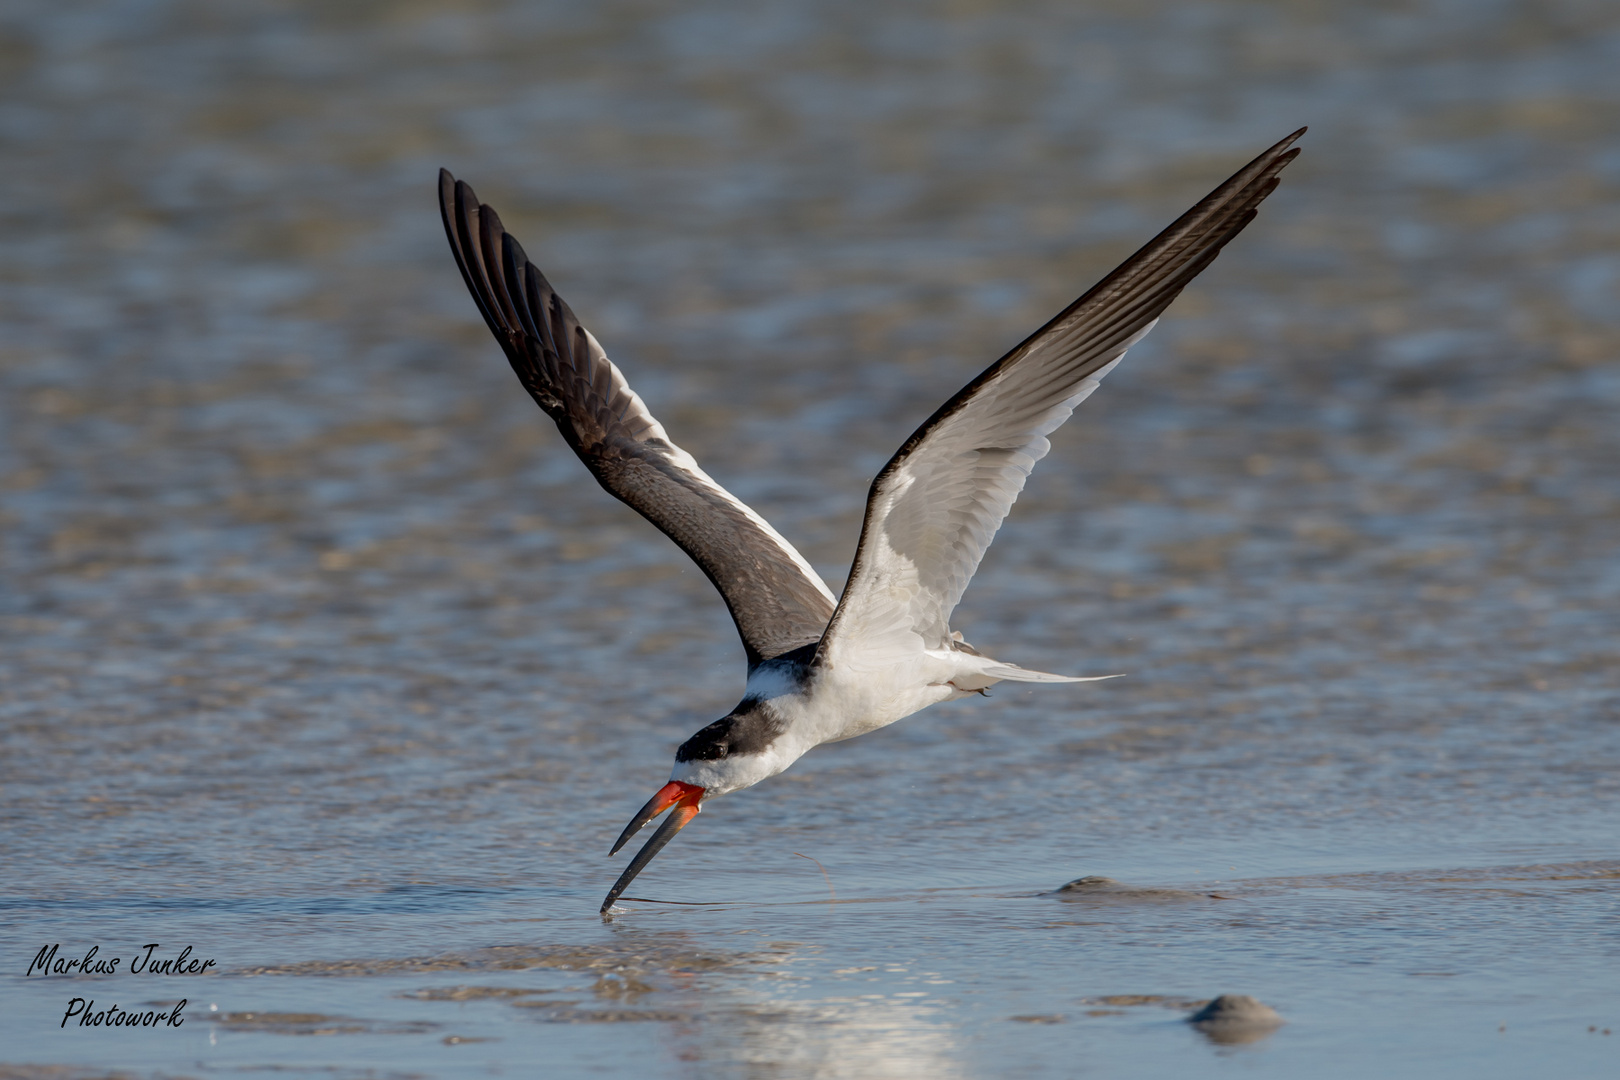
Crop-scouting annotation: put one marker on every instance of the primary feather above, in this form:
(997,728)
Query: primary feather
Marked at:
(777,601)
(935,507)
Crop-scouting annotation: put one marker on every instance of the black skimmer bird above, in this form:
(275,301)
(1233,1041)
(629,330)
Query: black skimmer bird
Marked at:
(823,668)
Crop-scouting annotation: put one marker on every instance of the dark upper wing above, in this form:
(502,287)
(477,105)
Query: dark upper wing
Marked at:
(778,602)
(936,505)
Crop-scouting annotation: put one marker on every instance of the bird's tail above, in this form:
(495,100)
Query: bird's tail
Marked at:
(995,670)
(1014,673)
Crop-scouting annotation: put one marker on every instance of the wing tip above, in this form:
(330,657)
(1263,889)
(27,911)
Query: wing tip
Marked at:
(1288,140)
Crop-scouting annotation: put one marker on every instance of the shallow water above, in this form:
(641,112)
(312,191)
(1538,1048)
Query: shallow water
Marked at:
(323,656)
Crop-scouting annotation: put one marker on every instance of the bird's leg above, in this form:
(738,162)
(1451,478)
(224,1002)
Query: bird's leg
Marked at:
(982,691)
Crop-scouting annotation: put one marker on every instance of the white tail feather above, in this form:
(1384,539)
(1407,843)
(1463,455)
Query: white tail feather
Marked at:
(1014,673)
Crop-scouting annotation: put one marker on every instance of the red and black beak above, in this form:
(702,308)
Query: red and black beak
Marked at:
(685,799)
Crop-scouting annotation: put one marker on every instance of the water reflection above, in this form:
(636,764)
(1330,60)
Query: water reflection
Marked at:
(876,1037)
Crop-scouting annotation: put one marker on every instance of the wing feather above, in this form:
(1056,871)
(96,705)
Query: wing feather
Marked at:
(937,504)
(777,601)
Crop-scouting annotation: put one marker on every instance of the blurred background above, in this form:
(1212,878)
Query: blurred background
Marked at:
(300,594)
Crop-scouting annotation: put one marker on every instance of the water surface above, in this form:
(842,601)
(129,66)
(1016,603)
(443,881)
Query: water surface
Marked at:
(322,655)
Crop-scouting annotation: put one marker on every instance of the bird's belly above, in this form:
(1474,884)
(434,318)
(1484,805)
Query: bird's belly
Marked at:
(895,708)
(840,710)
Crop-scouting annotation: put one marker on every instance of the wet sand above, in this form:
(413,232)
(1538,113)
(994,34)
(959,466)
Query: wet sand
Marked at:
(320,654)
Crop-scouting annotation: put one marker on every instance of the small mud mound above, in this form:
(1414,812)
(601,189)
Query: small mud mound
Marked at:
(1236,1018)
(1106,890)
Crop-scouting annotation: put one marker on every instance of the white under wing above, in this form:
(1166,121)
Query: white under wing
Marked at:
(933,517)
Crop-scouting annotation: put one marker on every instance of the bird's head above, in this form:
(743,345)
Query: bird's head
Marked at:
(736,751)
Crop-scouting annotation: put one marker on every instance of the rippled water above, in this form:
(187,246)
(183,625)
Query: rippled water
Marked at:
(323,656)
